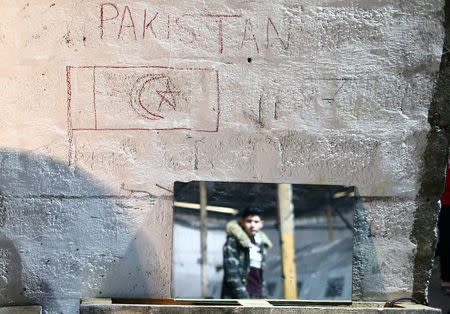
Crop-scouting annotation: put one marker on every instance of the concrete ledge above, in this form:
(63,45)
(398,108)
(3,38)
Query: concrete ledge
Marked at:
(356,307)
(32,309)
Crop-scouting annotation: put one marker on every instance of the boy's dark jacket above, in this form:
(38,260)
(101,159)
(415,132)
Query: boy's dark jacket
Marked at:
(236,260)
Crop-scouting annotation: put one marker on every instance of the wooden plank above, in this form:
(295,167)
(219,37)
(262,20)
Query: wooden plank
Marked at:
(286,210)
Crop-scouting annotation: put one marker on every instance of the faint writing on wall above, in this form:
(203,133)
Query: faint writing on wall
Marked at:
(218,31)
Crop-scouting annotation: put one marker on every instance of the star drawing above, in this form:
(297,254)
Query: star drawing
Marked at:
(168,96)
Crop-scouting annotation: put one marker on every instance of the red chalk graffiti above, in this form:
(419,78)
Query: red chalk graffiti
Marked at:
(150,83)
(131,25)
(157,102)
(187,30)
(219,18)
(284,44)
(149,24)
(102,16)
(118,23)
(164,99)
(248,25)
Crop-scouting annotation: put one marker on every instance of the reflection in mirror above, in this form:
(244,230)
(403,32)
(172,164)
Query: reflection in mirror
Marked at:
(310,228)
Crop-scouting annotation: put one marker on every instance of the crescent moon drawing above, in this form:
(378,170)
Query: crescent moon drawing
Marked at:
(136,95)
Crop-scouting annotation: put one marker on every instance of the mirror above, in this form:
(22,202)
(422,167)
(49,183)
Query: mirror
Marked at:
(314,221)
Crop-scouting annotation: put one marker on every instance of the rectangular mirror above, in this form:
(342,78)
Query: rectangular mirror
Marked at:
(309,227)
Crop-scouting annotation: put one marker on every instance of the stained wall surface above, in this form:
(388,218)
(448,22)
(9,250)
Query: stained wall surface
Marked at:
(105,104)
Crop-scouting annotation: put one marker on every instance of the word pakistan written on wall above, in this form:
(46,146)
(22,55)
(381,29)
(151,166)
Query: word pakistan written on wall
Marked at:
(161,97)
(336,98)
(131,24)
(150,97)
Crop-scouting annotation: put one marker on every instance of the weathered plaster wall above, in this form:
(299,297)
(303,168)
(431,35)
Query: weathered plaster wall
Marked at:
(105,104)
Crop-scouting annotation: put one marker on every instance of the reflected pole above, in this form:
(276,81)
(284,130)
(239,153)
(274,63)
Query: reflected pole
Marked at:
(286,213)
(203,237)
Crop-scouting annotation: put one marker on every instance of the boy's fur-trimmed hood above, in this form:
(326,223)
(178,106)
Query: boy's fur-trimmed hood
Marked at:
(235,230)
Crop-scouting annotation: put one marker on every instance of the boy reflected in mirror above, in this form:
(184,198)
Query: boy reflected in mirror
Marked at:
(244,255)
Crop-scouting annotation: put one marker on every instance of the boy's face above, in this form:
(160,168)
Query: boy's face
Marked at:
(252,224)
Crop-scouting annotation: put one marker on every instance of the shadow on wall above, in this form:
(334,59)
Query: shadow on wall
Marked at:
(63,237)
(367,278)
(11,267)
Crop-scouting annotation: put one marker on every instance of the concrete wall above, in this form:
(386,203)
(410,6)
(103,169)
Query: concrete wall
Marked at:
(105,104)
